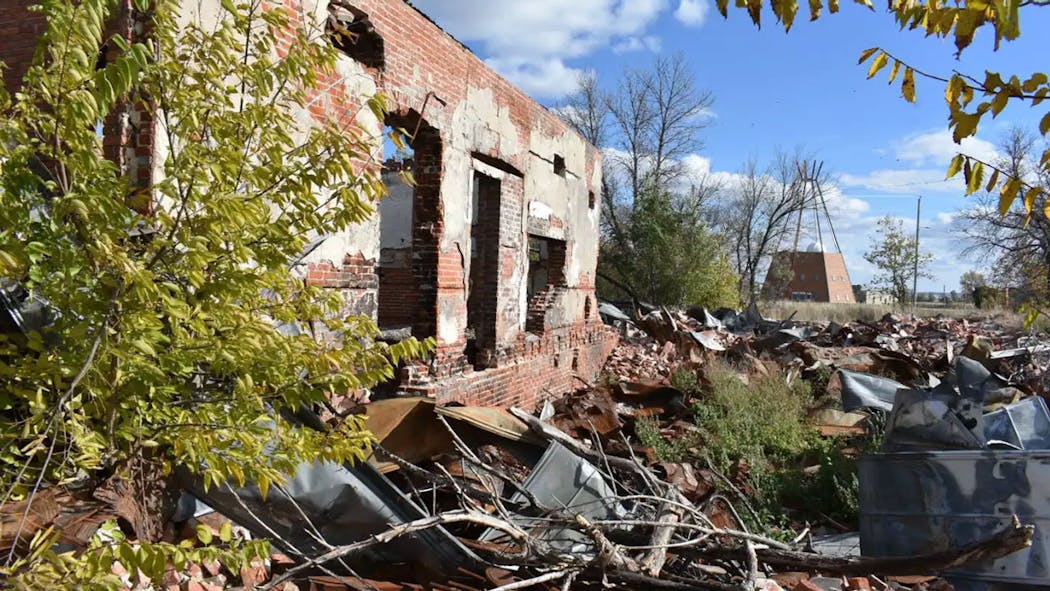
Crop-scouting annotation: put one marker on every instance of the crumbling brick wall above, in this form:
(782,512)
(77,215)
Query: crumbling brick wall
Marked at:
(464,120)
(128,130)
(19,31)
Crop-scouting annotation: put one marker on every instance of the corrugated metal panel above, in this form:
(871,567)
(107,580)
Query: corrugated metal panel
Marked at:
(916,502)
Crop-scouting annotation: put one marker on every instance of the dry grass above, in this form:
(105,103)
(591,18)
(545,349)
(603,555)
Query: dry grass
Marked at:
(824,311)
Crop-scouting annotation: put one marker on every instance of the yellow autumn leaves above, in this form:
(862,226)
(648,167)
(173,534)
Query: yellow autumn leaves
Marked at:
(959,93)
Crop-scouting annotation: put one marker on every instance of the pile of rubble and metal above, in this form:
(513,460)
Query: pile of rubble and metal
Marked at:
(463,498)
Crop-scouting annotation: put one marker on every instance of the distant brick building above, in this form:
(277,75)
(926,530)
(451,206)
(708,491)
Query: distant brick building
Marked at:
(492,252)
(810,275)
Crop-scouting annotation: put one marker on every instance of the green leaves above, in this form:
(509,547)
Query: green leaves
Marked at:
(204,534)
(168,326)
(115,81)
(43,568)
(893,252)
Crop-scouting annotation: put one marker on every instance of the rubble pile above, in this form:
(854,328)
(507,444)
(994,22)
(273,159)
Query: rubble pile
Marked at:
(569,496)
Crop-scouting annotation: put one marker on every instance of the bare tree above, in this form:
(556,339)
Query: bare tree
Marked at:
(760,214)
(1018,243)
(680,114)
(587,111)
(646,127)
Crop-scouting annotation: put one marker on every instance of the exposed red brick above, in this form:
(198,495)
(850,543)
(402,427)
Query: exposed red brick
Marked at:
(426,74)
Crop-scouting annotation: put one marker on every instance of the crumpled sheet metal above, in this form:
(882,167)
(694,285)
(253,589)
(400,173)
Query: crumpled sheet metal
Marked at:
(22,311)
(708,340)
(785,336)
(898,366)
(407,427)
(1023,425)
(861,390)
(917,502)
(935,419)
(346,505)
(563,480)
(611,312)
(951,415)
(977,382)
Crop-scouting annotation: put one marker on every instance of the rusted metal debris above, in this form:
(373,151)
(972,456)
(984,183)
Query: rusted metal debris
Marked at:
(463,498)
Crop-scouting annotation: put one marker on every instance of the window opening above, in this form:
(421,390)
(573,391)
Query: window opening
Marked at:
(353,33)
(483,281)
(559,165)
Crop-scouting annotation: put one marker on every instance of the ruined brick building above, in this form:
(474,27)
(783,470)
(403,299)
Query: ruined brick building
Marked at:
(492,252)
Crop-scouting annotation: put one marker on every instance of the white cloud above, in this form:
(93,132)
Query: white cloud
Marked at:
(550,77)
(926,156)
(692,12)
(899,180)
(699,167)
(529,41)
(938,147)
(945,218)
(648,42)
(841,204)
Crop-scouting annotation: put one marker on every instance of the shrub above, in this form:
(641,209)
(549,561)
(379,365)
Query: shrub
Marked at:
(666,450)
(685,380)
(756,422)
(763,423)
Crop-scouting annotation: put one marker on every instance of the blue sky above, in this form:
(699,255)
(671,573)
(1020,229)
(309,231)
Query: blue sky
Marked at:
(775,89)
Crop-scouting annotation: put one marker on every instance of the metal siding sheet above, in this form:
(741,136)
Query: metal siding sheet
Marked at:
(917,502)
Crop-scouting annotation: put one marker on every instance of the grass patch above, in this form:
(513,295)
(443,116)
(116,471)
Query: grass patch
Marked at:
(792,473)
(763,423)
(759,422)
(830,311)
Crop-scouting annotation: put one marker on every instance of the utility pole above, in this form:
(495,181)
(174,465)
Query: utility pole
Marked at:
(915,272)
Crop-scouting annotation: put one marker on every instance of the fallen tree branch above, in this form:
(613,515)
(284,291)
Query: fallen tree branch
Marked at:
(752,563)
(654,560)
(1012,539)
(544,578)
(550,433)
(407,528)
(669,584)
(609,555)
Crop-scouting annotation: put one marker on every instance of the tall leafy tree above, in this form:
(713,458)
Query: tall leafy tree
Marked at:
(674,262)
(180,336)
(648,125)
(897,258)
(970,281)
